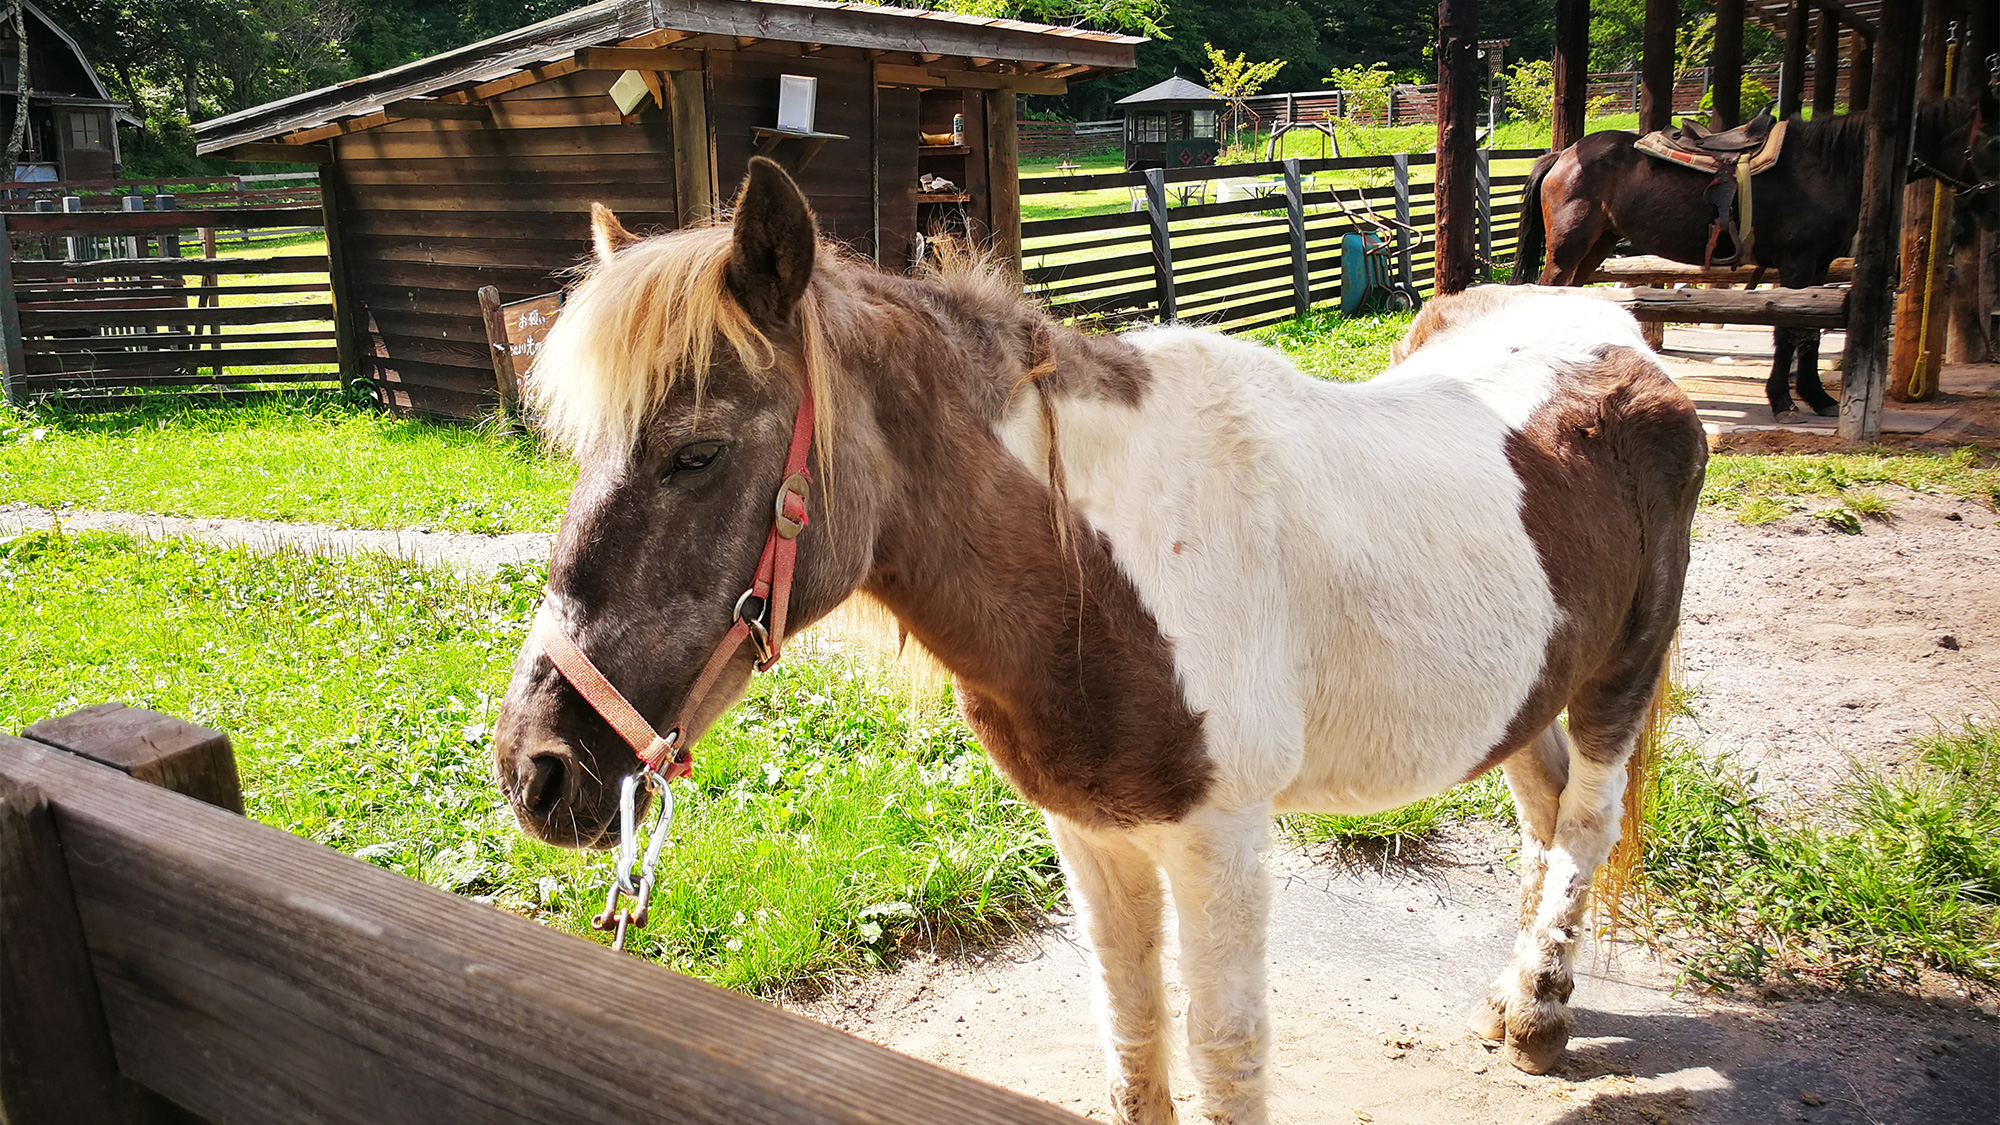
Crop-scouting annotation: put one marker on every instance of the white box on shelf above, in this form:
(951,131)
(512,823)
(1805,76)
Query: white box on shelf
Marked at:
(797,94)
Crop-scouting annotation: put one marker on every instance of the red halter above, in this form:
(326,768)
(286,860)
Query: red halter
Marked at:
(760,619)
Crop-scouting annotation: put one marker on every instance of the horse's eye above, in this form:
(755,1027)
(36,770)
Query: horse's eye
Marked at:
(695,457)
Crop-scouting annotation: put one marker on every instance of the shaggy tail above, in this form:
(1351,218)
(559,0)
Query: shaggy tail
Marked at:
(1528,251)
(1618,880)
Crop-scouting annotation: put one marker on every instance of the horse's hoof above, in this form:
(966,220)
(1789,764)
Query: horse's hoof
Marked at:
(1537,1056)
(1787,417)
(1487,1020)
(1830,410)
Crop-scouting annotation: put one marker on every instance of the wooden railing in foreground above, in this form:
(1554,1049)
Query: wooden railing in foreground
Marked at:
(163,959)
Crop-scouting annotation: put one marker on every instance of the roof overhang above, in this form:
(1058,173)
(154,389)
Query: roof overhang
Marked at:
(913,47)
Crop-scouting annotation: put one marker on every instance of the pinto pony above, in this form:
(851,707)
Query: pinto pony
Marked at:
(1181,586)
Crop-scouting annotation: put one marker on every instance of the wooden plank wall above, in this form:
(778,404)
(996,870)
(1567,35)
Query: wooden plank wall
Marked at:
(433,210)
(743,94)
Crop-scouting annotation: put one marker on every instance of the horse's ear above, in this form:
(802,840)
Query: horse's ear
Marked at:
(607,233)
(772,256)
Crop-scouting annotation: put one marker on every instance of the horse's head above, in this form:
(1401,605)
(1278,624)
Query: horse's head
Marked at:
(1958,142)
(674,374)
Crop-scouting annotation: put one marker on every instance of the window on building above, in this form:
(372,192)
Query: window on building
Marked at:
(1204,125)
(86,130)
(1149,128)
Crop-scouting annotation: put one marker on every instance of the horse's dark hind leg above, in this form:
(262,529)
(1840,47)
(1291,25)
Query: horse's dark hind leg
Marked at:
(1807,343)
(1778,388)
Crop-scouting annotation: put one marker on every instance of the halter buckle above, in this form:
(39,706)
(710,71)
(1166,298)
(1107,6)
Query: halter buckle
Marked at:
(754,612)
(783,522)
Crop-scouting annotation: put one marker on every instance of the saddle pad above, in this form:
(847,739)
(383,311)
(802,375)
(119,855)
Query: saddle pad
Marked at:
(1655,145)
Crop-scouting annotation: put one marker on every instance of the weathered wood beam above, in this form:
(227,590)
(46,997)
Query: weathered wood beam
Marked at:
(863,28)
(340,128)
(1917,346)
(1780,308)
(1826,65)
(1861,83)
(1848,16)
(279,153)
(891,74)
(1892,98)
(1458,126)
(1656,65)
(429,109)
(637,58)
(1792,73)
(256,976)
(1572,71)
(1646,269)
(1725,85)
(520,79)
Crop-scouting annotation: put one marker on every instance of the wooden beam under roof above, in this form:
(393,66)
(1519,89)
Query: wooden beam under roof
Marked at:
(431,109)
(637,58)
(889,74)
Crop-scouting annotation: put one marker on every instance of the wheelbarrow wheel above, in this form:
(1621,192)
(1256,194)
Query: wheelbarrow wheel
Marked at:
(1403,299)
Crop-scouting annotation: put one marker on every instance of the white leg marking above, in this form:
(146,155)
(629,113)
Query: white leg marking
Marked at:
(1222,893)
(1535,776)
(1122,907)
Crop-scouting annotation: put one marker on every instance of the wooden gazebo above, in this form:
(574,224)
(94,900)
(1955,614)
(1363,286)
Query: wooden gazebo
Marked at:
(477,167)
(1172,124)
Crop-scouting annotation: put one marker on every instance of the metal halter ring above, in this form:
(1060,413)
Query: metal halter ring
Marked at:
(616,917)
(757,621)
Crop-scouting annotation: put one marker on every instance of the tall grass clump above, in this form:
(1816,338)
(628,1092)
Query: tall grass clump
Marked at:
(1902,874)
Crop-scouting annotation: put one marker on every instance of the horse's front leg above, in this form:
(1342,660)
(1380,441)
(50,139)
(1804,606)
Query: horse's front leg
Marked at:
(1118,894)
(1222,894)
(1810,388)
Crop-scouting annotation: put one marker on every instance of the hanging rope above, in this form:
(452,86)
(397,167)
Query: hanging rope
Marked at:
(1920,374)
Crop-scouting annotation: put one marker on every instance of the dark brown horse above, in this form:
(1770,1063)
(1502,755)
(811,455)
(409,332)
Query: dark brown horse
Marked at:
(1804,210)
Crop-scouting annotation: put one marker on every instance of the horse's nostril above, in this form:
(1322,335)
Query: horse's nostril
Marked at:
(545,786)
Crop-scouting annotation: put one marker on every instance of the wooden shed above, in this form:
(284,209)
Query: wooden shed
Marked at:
(72,128)
(478,166)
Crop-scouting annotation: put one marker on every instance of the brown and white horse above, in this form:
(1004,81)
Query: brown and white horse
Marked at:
(1181,586)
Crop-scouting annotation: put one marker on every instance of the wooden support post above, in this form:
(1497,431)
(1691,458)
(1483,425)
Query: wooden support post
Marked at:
(1792,76)
(1003,177)
(1826,65)
(1972,266)
(1163,246)
(1656,65)
(1458,132)
(56,1060)
(1295,213)
(1861,83)
(161,750)
(346,325)
(13,357)
(1572,71)
(1725,82)
(1917,347)
(1400,163)
(1864,365)
(694,166)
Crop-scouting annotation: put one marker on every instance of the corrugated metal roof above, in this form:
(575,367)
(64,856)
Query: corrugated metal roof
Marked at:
(909,30)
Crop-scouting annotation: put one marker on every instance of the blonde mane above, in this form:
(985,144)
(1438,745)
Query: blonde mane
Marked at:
(639,325)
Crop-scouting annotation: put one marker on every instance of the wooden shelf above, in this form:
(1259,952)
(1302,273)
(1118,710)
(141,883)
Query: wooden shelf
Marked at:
(929,197)
(944,150)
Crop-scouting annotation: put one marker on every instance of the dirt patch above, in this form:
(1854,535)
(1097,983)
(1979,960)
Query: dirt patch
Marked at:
(1807,649)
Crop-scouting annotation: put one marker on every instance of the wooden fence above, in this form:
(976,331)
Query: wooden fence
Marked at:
(1044,139)
(165,959)
(1246,262)
(97,305)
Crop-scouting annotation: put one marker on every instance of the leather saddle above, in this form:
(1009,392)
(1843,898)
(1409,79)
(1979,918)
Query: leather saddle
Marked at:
(1731,157)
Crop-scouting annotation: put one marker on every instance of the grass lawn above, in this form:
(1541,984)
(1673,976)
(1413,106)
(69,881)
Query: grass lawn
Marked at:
(828,822)
(316,460)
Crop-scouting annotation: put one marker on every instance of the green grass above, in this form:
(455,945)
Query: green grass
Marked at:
(1902,872)
(1400,832)
(318,460)
(1342,348)
(1760,488)
(827,824)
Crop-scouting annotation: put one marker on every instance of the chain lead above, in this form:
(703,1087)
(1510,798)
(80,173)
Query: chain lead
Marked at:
(618,918)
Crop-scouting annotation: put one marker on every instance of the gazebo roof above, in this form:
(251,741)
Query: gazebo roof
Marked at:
(1175,89)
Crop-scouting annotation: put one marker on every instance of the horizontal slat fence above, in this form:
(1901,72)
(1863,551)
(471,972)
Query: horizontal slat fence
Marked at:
(1262,256)
(99,307)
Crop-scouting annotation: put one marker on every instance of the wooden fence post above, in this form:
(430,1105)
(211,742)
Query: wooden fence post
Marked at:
(506,380)
(1163,248)
(1482,178)
(76,247)
(1402,165)
(1295,210)
(13,361)
(1864,365)
(56,1060)
(346,337)
(161,750)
